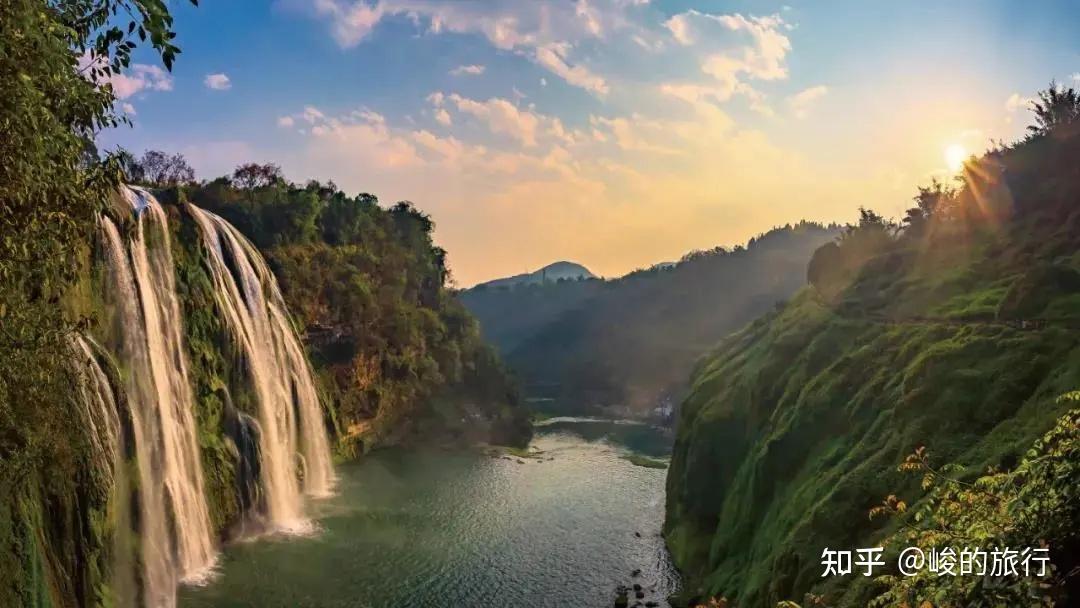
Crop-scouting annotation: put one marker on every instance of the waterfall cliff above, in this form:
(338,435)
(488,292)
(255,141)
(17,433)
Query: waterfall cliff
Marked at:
(144,334)
(289,414)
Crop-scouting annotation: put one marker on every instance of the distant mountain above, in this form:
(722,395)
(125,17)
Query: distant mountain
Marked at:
(629,344)
(552,273)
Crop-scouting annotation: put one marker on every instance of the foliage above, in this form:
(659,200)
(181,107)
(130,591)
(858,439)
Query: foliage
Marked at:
(55,61)
(160,169)
(957,330)
(399,356)
(254,175)
(1057,109)
(1036,505)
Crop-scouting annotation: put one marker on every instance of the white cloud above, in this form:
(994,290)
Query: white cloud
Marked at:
(366,115)
(679,26)
(142,77)
(543,82)
(217,82)
(553,57)
(590,17)
(361,133)
(138,78)
(470,70)
(634,133)
(1075,76)
(443,117)
(763,59)
(501,117)
(349,24)
(543,31)
(128,109)
(731,50)
(312,115)
(1016,102)
(801,102)
(286,121)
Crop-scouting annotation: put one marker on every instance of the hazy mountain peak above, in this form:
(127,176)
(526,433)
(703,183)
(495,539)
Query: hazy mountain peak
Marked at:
(561,270)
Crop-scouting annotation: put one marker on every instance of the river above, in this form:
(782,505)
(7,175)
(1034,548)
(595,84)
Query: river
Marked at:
(433,528)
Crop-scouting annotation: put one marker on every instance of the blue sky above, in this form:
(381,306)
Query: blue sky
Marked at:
(616,133)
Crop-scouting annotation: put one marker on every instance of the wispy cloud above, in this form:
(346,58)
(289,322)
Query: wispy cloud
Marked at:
(801,102)
(469,70)
(553,57)
(546,32)
(1016,102)
(217,82)
(500,116)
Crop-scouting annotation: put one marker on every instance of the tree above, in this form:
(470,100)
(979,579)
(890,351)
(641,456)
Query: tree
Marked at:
(253,175)
(1057,109)
(161,169)
(1035,506)
(56,60)
(936,200)
(132,168)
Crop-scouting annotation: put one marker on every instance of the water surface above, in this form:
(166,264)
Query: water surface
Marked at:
(463,529)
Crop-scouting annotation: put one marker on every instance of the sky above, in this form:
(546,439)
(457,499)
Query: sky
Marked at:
(614,133)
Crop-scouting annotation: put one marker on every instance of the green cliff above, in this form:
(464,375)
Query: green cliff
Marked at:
(957,331)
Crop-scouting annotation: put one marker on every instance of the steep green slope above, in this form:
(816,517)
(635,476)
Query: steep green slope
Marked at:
(400,358)
(958,334)
(630,343)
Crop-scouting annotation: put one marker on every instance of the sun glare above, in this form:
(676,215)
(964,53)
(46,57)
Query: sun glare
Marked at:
(955,155)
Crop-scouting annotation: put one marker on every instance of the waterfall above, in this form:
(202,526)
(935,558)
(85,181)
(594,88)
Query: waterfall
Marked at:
(102,415)
(290,420)
(148,412)
(175,530)
(107,436)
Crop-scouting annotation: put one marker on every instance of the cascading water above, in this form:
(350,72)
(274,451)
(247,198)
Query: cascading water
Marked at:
(290,418)
(282,453)
(102,416)
(175,530)
(106,433)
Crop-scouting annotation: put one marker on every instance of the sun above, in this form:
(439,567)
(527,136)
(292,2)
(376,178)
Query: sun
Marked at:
(955,155)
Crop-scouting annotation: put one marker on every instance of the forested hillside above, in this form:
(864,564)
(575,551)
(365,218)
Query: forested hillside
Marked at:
(958,331)
(142,420)
(627,345)
(401,359)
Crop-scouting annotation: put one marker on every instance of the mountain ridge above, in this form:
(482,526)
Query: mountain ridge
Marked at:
(627,345)
(561,270)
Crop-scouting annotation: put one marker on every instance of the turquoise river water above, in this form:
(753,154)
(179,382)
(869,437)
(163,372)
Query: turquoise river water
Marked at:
(463,529)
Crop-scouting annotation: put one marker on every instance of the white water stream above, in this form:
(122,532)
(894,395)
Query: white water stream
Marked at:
(290,416)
